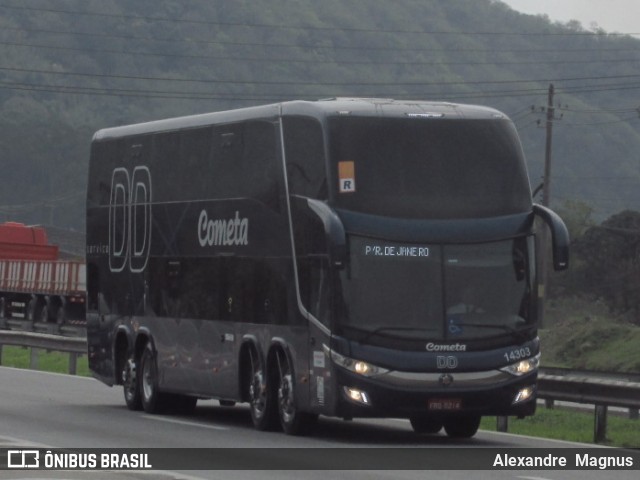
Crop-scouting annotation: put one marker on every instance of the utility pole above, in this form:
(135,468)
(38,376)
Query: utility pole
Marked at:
(546,191)
(546,194)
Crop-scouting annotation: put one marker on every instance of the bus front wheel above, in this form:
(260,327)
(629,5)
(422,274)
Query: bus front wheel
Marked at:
(426,424)
(462,427)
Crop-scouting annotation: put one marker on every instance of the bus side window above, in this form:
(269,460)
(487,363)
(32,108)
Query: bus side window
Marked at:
(245,162)
(305,157)
(262,169)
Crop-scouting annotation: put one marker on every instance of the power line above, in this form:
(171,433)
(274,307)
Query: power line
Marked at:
(604,122)
(314,61)
(273,96)
(316,47)
(299,82)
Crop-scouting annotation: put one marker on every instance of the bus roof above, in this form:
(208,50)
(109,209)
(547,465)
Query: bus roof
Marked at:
(341,106)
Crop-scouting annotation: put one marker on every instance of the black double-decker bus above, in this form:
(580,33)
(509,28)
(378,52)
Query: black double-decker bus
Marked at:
(345,257)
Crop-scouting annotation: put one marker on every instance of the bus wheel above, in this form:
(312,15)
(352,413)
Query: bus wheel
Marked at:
(293,421)
(425,424)
(153,401)
(462,427)
(261,395)
(130,385)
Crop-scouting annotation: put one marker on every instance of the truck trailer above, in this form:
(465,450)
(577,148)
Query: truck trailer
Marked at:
(35,284)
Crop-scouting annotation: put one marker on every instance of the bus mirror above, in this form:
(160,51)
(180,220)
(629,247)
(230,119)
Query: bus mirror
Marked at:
(334,231)
(559,236)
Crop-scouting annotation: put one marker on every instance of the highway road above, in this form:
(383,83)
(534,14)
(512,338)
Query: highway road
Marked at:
(47,410)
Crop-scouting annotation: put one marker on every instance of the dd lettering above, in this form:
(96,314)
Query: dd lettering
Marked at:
(446,362)
(130,219)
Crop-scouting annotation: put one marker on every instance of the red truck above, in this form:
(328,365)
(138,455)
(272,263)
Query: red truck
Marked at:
(35,284)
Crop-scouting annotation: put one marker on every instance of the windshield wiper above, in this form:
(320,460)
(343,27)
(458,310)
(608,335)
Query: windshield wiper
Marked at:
(380,330)
(517,333)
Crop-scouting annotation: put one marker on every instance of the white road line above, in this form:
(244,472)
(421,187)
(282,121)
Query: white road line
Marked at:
(533,478)
(184,422)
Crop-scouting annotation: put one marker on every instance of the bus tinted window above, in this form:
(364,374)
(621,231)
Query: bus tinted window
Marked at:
(304,147)
(426,168)
(232,161)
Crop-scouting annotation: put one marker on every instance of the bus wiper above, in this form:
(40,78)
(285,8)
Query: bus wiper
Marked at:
(518,333)
(379,330)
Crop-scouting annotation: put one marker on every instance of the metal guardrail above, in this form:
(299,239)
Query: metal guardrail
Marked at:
(601,389)
(571,372)
(593,388)
(74,346)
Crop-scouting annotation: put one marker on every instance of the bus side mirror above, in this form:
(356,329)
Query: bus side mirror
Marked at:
(334,232)
(559,236)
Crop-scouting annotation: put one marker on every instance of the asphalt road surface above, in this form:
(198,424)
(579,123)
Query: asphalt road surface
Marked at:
(47,410)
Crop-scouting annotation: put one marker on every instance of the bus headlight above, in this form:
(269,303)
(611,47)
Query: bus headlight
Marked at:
(524,394)
(523,367)
(357,396)
(357,366)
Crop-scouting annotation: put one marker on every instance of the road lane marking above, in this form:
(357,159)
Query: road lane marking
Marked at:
(184,422)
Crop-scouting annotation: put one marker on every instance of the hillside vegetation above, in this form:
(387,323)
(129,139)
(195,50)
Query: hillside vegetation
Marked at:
(70,67)
(589,336)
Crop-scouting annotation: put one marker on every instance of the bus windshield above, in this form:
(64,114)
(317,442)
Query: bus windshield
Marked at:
(437,292)
(428,168)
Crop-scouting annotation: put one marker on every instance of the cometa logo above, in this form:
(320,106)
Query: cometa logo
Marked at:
(234,231)
(456,347)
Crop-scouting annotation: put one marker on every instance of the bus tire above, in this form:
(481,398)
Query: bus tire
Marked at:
(426,424)
(260,393)
(292,420)
(153,401)
(463,426)
(131,384)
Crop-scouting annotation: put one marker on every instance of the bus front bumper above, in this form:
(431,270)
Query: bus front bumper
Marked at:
(405,394)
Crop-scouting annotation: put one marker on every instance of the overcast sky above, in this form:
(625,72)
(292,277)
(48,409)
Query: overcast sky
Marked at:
(621,16)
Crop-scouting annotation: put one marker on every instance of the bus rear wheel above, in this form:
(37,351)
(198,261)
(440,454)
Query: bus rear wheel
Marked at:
(153,401)
(462,427)
(292,420)
(131,385)
(260,394)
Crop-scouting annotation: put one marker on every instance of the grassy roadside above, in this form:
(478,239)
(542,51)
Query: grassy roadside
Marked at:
(574,426)
(19,357)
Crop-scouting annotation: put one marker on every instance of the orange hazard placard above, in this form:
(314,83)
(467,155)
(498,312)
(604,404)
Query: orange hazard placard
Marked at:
(347,176)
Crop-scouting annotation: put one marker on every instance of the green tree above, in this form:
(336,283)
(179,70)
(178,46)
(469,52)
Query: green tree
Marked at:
(610,262)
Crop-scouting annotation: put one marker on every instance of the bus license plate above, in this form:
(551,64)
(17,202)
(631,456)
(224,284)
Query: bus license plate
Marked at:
(445,404)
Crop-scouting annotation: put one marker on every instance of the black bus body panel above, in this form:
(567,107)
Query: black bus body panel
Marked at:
(201,238)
